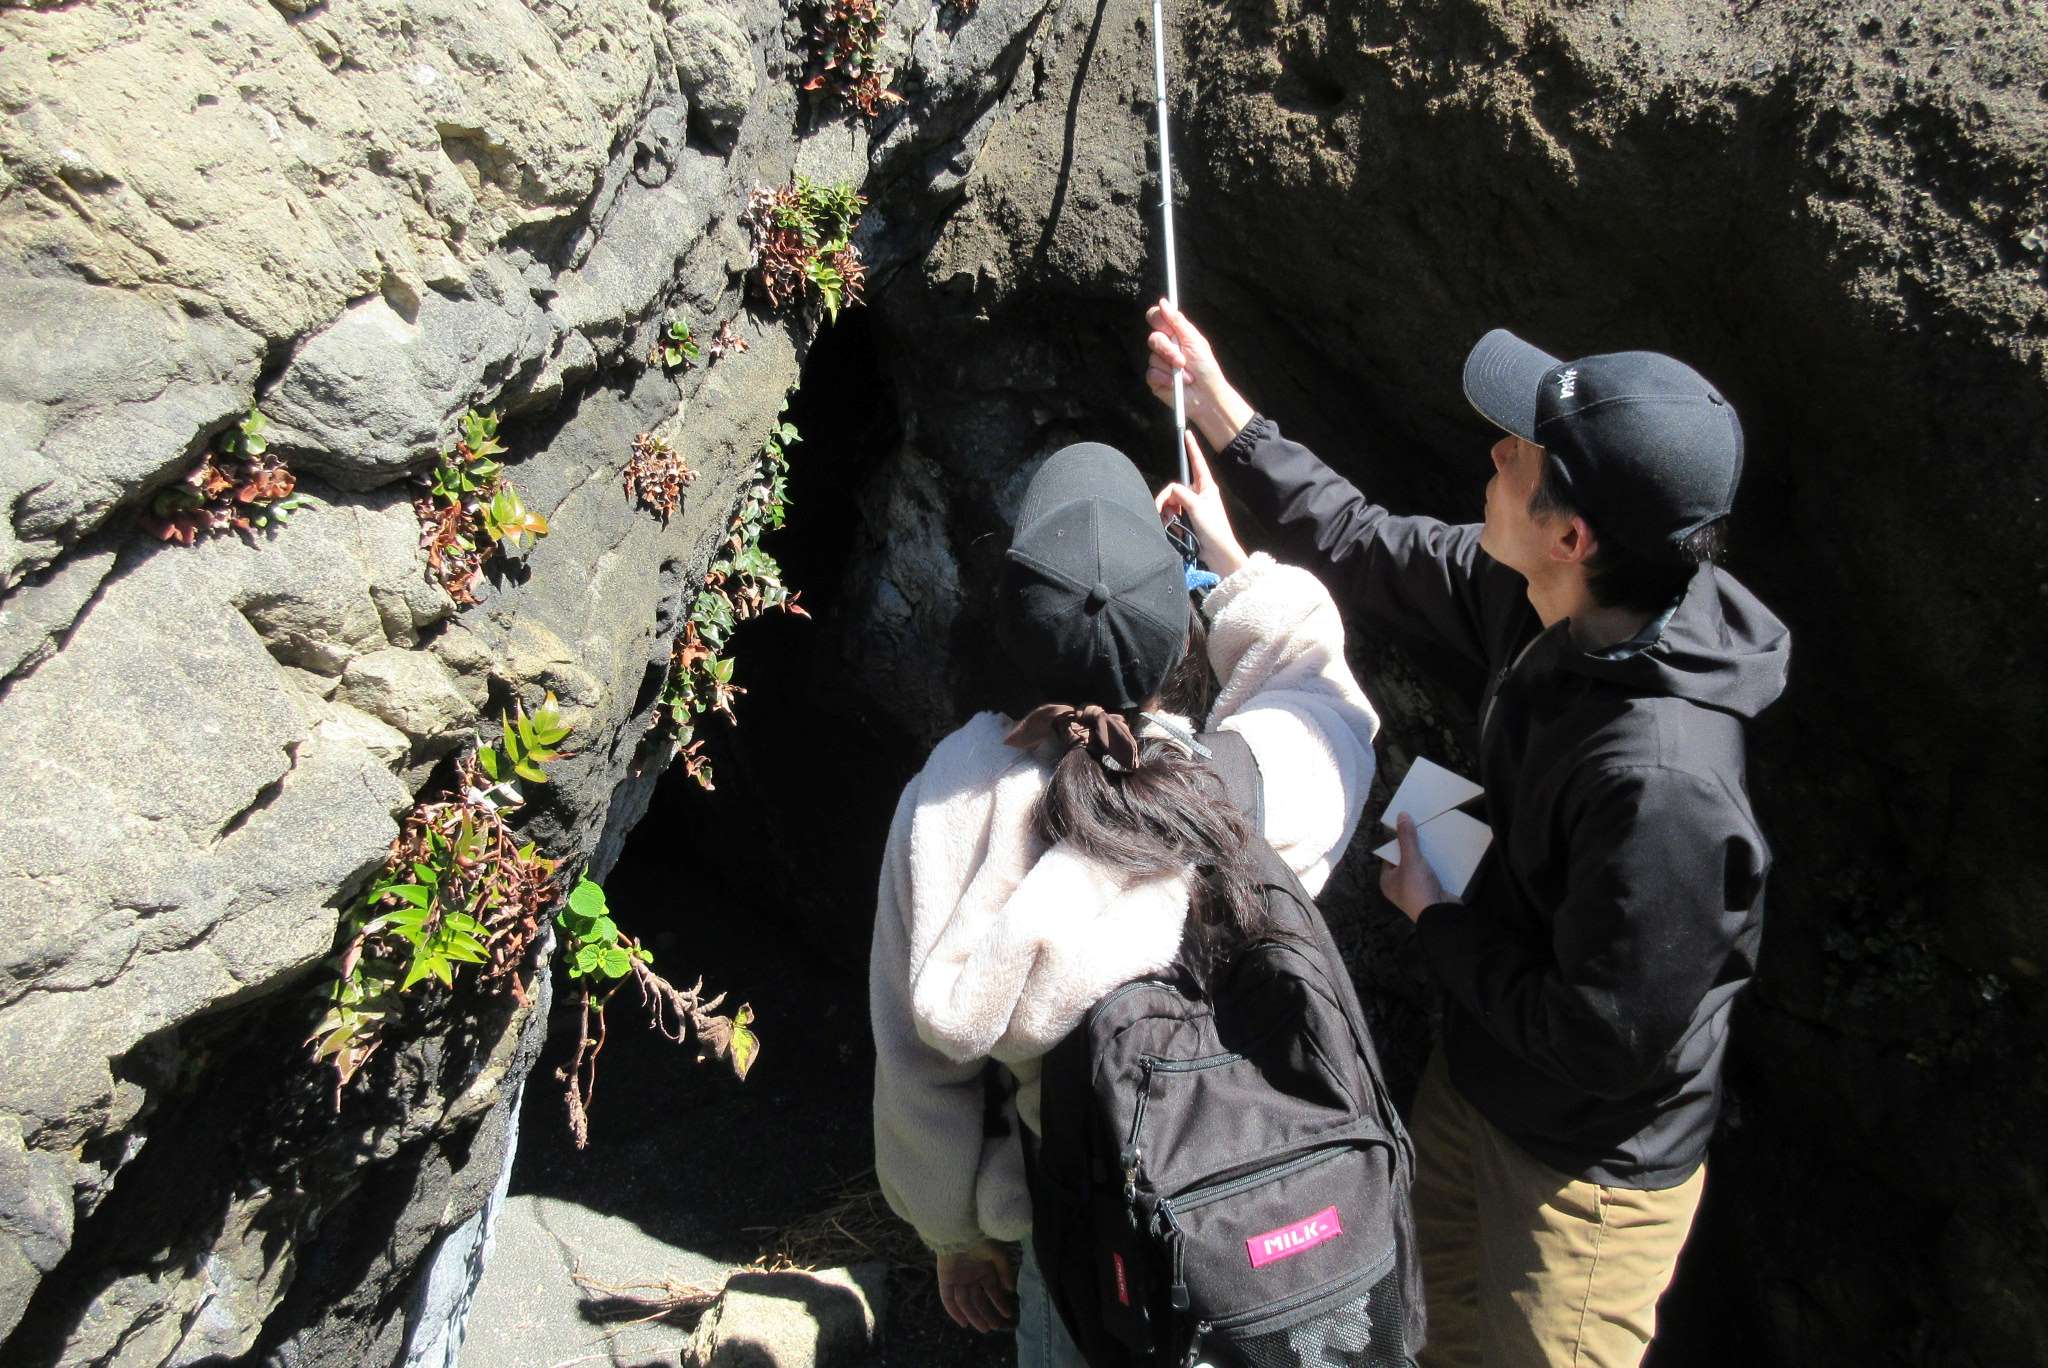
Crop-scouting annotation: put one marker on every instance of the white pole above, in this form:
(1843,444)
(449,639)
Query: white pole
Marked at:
(1180,409)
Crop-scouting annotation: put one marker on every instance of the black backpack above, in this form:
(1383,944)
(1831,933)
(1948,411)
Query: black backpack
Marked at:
(1222,1177)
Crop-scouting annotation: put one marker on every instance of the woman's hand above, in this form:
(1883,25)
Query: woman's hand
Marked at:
(1203,505)
(1213,406)
(977,1287)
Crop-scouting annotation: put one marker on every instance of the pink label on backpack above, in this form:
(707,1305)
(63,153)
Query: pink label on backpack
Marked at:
(1306,1233)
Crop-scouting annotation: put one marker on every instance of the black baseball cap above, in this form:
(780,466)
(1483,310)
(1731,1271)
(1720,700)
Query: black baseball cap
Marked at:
(1093,602)
(1649,450)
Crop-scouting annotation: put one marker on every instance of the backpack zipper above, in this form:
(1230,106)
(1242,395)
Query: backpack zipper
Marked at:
(1275,1310)
(1166,1229)
(1133,1156)
(1135,985)
(1214,1061)
(1202,1196)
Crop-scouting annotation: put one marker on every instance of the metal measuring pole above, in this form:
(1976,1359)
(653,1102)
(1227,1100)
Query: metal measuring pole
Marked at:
(1180,408)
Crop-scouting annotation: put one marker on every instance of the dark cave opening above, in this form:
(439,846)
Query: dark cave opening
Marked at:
(764,886)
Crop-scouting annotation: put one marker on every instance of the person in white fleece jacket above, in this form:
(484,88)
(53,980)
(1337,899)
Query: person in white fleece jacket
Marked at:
(991,939)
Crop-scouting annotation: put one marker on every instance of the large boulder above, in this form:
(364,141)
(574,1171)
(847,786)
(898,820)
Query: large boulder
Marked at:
(365,220)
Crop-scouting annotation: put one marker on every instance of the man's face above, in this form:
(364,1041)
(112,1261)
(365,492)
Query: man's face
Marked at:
(1512,535)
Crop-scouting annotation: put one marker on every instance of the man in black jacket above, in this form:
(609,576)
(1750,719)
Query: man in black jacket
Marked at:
(1590,968)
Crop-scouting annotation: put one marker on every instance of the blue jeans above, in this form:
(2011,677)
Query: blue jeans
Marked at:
(1042,1338)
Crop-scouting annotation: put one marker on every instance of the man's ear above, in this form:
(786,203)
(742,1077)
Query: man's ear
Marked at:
(1572,541)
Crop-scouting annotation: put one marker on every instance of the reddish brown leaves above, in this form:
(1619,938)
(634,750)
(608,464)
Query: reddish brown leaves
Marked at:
(656,475)
(696,764)
(852,273)
(845,47)
(223,492)
(453,557)
(726,341)
(781,257)
(690,651)
(802,242)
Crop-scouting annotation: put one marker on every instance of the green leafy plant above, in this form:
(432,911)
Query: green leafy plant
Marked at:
(675,347)
(471,466)
(656,475)
(469,509)
(247,437)
(845,43)
(742,583)
(510,523)
(594,948)
(602,958)
(456,888)
(238,485)
(803,242)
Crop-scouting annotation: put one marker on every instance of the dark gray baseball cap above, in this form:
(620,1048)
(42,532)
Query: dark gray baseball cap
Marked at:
(1093,602)
(1649,450)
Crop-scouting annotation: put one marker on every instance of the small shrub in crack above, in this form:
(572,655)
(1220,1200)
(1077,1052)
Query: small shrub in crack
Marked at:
(743,583)
(601,958)
(456,888)
(470,510)
(803,240)
(674,346)
(845,55)
(726,342)
(238,485)
(656,475)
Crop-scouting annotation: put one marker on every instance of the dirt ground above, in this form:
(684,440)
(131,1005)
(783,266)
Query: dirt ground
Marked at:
(720,1168)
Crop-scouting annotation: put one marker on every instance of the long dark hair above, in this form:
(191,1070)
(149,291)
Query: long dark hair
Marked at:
(1169,815)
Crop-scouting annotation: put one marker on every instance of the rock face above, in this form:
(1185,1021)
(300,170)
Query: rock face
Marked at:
(366,220)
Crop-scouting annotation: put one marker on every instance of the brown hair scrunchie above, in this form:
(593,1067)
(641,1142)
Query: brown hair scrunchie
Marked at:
(1105,733)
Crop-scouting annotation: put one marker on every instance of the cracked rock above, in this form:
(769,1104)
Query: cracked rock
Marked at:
(35,1219)
(412,691)
(714,65)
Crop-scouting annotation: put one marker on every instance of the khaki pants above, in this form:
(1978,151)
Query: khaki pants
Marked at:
(1523,1266)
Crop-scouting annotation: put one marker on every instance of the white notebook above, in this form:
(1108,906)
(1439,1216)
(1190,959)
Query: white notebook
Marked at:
(1452,842)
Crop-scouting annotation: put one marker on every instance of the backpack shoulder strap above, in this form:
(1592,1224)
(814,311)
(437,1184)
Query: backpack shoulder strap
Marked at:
(1230,755)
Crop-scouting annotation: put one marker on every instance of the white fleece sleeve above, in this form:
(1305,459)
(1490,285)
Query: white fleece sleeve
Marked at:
(928,1108)
(1277,644)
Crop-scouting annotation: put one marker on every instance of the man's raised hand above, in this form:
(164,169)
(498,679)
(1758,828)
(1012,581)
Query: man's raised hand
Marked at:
(1218,410)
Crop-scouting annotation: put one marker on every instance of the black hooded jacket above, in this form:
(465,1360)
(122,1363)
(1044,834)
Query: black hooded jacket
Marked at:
(1591,969)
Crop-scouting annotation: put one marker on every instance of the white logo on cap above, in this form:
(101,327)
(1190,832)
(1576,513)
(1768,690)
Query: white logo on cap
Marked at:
(1568,383)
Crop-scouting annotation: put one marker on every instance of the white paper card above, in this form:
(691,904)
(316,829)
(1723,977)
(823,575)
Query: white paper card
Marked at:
(1426,790)
(1452,843)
